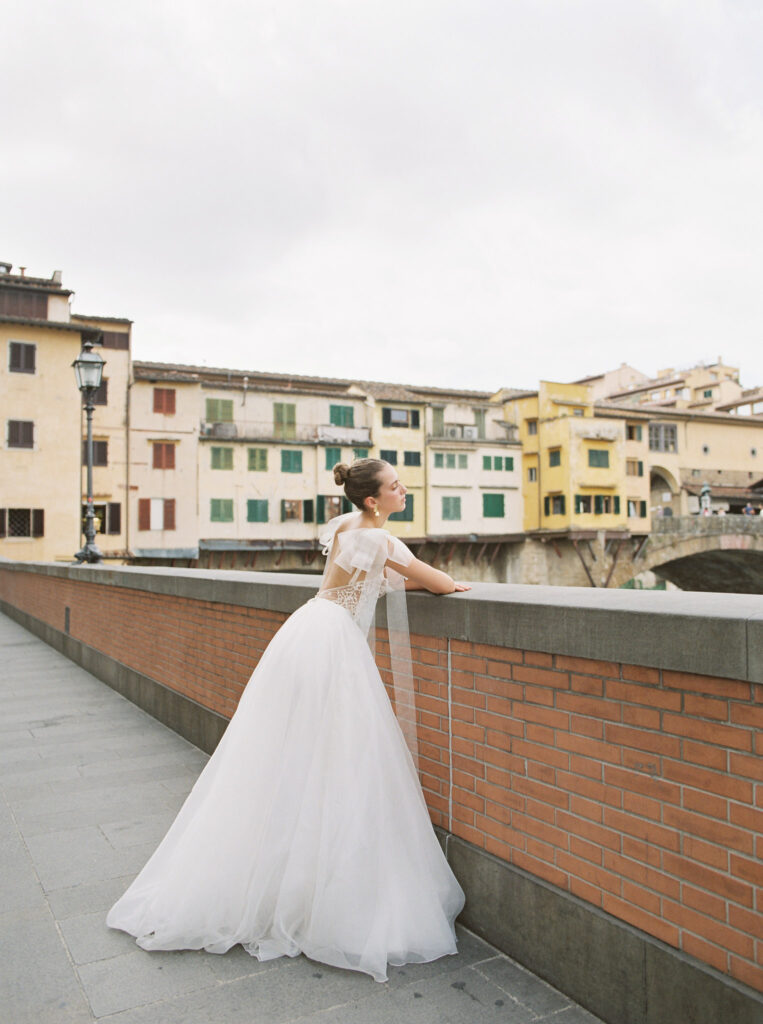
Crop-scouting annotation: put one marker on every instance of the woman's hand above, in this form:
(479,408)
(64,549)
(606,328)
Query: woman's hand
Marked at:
(461,587)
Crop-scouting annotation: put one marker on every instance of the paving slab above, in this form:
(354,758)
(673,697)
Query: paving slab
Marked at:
(88,785)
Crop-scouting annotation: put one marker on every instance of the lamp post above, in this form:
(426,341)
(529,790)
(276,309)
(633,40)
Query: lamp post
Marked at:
(88,369)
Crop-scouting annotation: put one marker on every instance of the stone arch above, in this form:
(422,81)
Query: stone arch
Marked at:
(661,483)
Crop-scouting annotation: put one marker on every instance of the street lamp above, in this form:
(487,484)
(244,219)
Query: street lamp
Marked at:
(88,369)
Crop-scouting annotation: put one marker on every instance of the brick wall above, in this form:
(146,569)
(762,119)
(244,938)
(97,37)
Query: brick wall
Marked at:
(637,788)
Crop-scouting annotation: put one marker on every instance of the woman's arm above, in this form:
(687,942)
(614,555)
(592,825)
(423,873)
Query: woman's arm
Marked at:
(420,576)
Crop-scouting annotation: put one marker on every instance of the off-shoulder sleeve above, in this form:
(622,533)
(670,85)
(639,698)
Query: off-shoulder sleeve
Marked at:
(362,550)
(327,534)
(398,552)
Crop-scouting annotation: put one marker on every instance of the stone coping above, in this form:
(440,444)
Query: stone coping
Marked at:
(704,633)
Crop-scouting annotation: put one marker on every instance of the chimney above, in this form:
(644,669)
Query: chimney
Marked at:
(22,271)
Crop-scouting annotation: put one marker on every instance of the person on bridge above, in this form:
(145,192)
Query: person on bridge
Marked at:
(307,830)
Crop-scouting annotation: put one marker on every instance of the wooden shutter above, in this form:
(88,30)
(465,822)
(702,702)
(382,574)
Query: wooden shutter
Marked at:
(617,504)
(386,417)
(308,512)
(546,506)
(38,522)
(158,400)
(642,509)
(3,520)
(169,513)
(114,517)
(144,513)
(414,418)
(14,434)
(169,456)
(15,361)
(158,456)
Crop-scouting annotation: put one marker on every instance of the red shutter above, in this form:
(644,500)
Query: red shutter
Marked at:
(169,513)
(169,454)
(38,522)
(144,513)
(157,400)
(114,517)
(169,401)
(158,459)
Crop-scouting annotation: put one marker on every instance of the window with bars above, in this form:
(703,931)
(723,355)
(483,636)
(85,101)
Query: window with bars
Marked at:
(388,455)
(598,458)
(493,506)
(22,522)
(164,401)
(156,513)
(100,453)
(298,510)
(341,416)
(258,460)
(257,510)
(412,458)
(221,510)
(333,455)
(406,516)
(395,417)
(291,460)
(163,455)
(663,437)
(219,410)
(451,508)
(22,357)
(20,433)
(285,421)
(221,458)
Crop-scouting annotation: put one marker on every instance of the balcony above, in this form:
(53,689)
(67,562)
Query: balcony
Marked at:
(301,433)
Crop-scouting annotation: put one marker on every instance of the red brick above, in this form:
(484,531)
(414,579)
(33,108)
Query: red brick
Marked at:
(704,754)
(587,684)
(606,837)
(706,952)
(641,739)
(494,653)
(590,893)
(587,766)
(498,758)
(604,880)
(540,676)
(590,788)
(498,687)
(641,674)
(540,850)
(539,658)
(640,897)
(641,828)
(709,781)
(545,716)
(587,666)
(637,871)
(637,782)
(468,664)
(465,815)
(499,706)
(728,688)
(589,747)
(498,848)
(706,707)
(747,817)
(499,669)
(708,732)
(643,806)
(707,853)
(498,812)
(541,772)
(642,718)
(498,723)
(539,791)
(705,803)
(702,901)
(749,870)
(541,869)
(744,714)
(586,808)
(587,727)
(468,697)
(540,830)
(539,695)
(466,799)
(585,850)
(747,973)
(639,918)
(591,706)
(708,828)
(538,752)
(746,921)
(707,928)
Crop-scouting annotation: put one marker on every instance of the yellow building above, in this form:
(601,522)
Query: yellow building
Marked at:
(41,476)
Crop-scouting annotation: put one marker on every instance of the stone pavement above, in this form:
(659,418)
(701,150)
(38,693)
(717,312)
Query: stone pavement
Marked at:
(90,784)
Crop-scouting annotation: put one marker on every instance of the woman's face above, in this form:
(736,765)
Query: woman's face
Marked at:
(391,496)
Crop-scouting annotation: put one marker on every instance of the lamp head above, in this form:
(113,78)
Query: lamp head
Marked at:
(88,366)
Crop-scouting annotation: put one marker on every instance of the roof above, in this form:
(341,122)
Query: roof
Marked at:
(33,284)
(103,319)
(721,491)
(54,325)
(662,413)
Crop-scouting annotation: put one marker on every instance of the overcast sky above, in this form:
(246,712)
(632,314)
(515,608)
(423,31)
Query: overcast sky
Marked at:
(478,193)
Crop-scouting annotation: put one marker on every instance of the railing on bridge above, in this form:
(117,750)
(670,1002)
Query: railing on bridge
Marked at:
(712,525)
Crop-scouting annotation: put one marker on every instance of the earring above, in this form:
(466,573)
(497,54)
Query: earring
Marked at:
(376,511)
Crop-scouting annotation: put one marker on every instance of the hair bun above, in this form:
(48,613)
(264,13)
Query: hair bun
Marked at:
(341,472)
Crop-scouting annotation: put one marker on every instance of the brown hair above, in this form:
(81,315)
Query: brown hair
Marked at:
(360,480)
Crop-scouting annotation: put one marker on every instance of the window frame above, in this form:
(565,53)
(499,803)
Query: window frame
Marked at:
(22,347)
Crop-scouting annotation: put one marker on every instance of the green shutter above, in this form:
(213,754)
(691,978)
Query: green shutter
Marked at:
(222,458)
(342,416)
(390,456)
(291,460)
(257,510)
(617,504)
(642,509)
(320,508)
(598,504)
(493,506)
(641,469)
(360,453)
(598,457)
(221,510)
(219,410)
(439,460)
(508,463)
(333,455)
(308,514)
(285,421)
(487,462)
(546,506)
(497,462)
(555,457)
(450,460)
(451,508)
(258,459)
(463,461)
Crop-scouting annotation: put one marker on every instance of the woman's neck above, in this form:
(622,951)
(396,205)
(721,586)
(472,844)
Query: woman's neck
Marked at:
(370,521)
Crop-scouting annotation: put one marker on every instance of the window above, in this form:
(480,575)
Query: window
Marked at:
(598,457)
(634,467)
(582,504)
(257,460)
(328,506)
(219,410)
(222,458)
(602,504)
(450,460)
(164,401)
(23,303)
(163,455)
(532,474)
(116,339)
(555,457)
(100,453)
(22,522)
(360,453)
(577,412)
(705,449)
(221,510)
(463,460)
(108,516)
(439,460)
(532,427)
(554,505)
(156,513)
(291,460)
(406,516)
(21,357)
(498,462)
(707,393)
(333,455)
(300,511)
(487,462)
(663,437)
(20,433)
(257,510)
(479,421)
(633,431)
(341,416)
(101,394)
(438,422)
(451,508)
(636,509)
(412,458)
(493,506)
(400,418)
(285,421)
(387,455)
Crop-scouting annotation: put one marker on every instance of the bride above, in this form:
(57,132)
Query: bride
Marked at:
(307,831)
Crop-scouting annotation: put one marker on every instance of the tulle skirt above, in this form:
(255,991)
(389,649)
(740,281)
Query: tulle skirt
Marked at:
(307,830)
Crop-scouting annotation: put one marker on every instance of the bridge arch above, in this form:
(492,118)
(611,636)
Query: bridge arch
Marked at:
(664,491)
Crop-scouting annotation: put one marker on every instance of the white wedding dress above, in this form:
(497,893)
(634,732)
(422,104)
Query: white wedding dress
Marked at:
(307,830)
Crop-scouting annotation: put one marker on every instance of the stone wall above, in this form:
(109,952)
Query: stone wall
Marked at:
(596,750)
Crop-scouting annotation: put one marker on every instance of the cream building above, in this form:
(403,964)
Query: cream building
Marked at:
(41,474)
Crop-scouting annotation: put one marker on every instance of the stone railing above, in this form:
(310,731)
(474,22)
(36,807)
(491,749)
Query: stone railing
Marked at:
(708,525)
(591,758)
